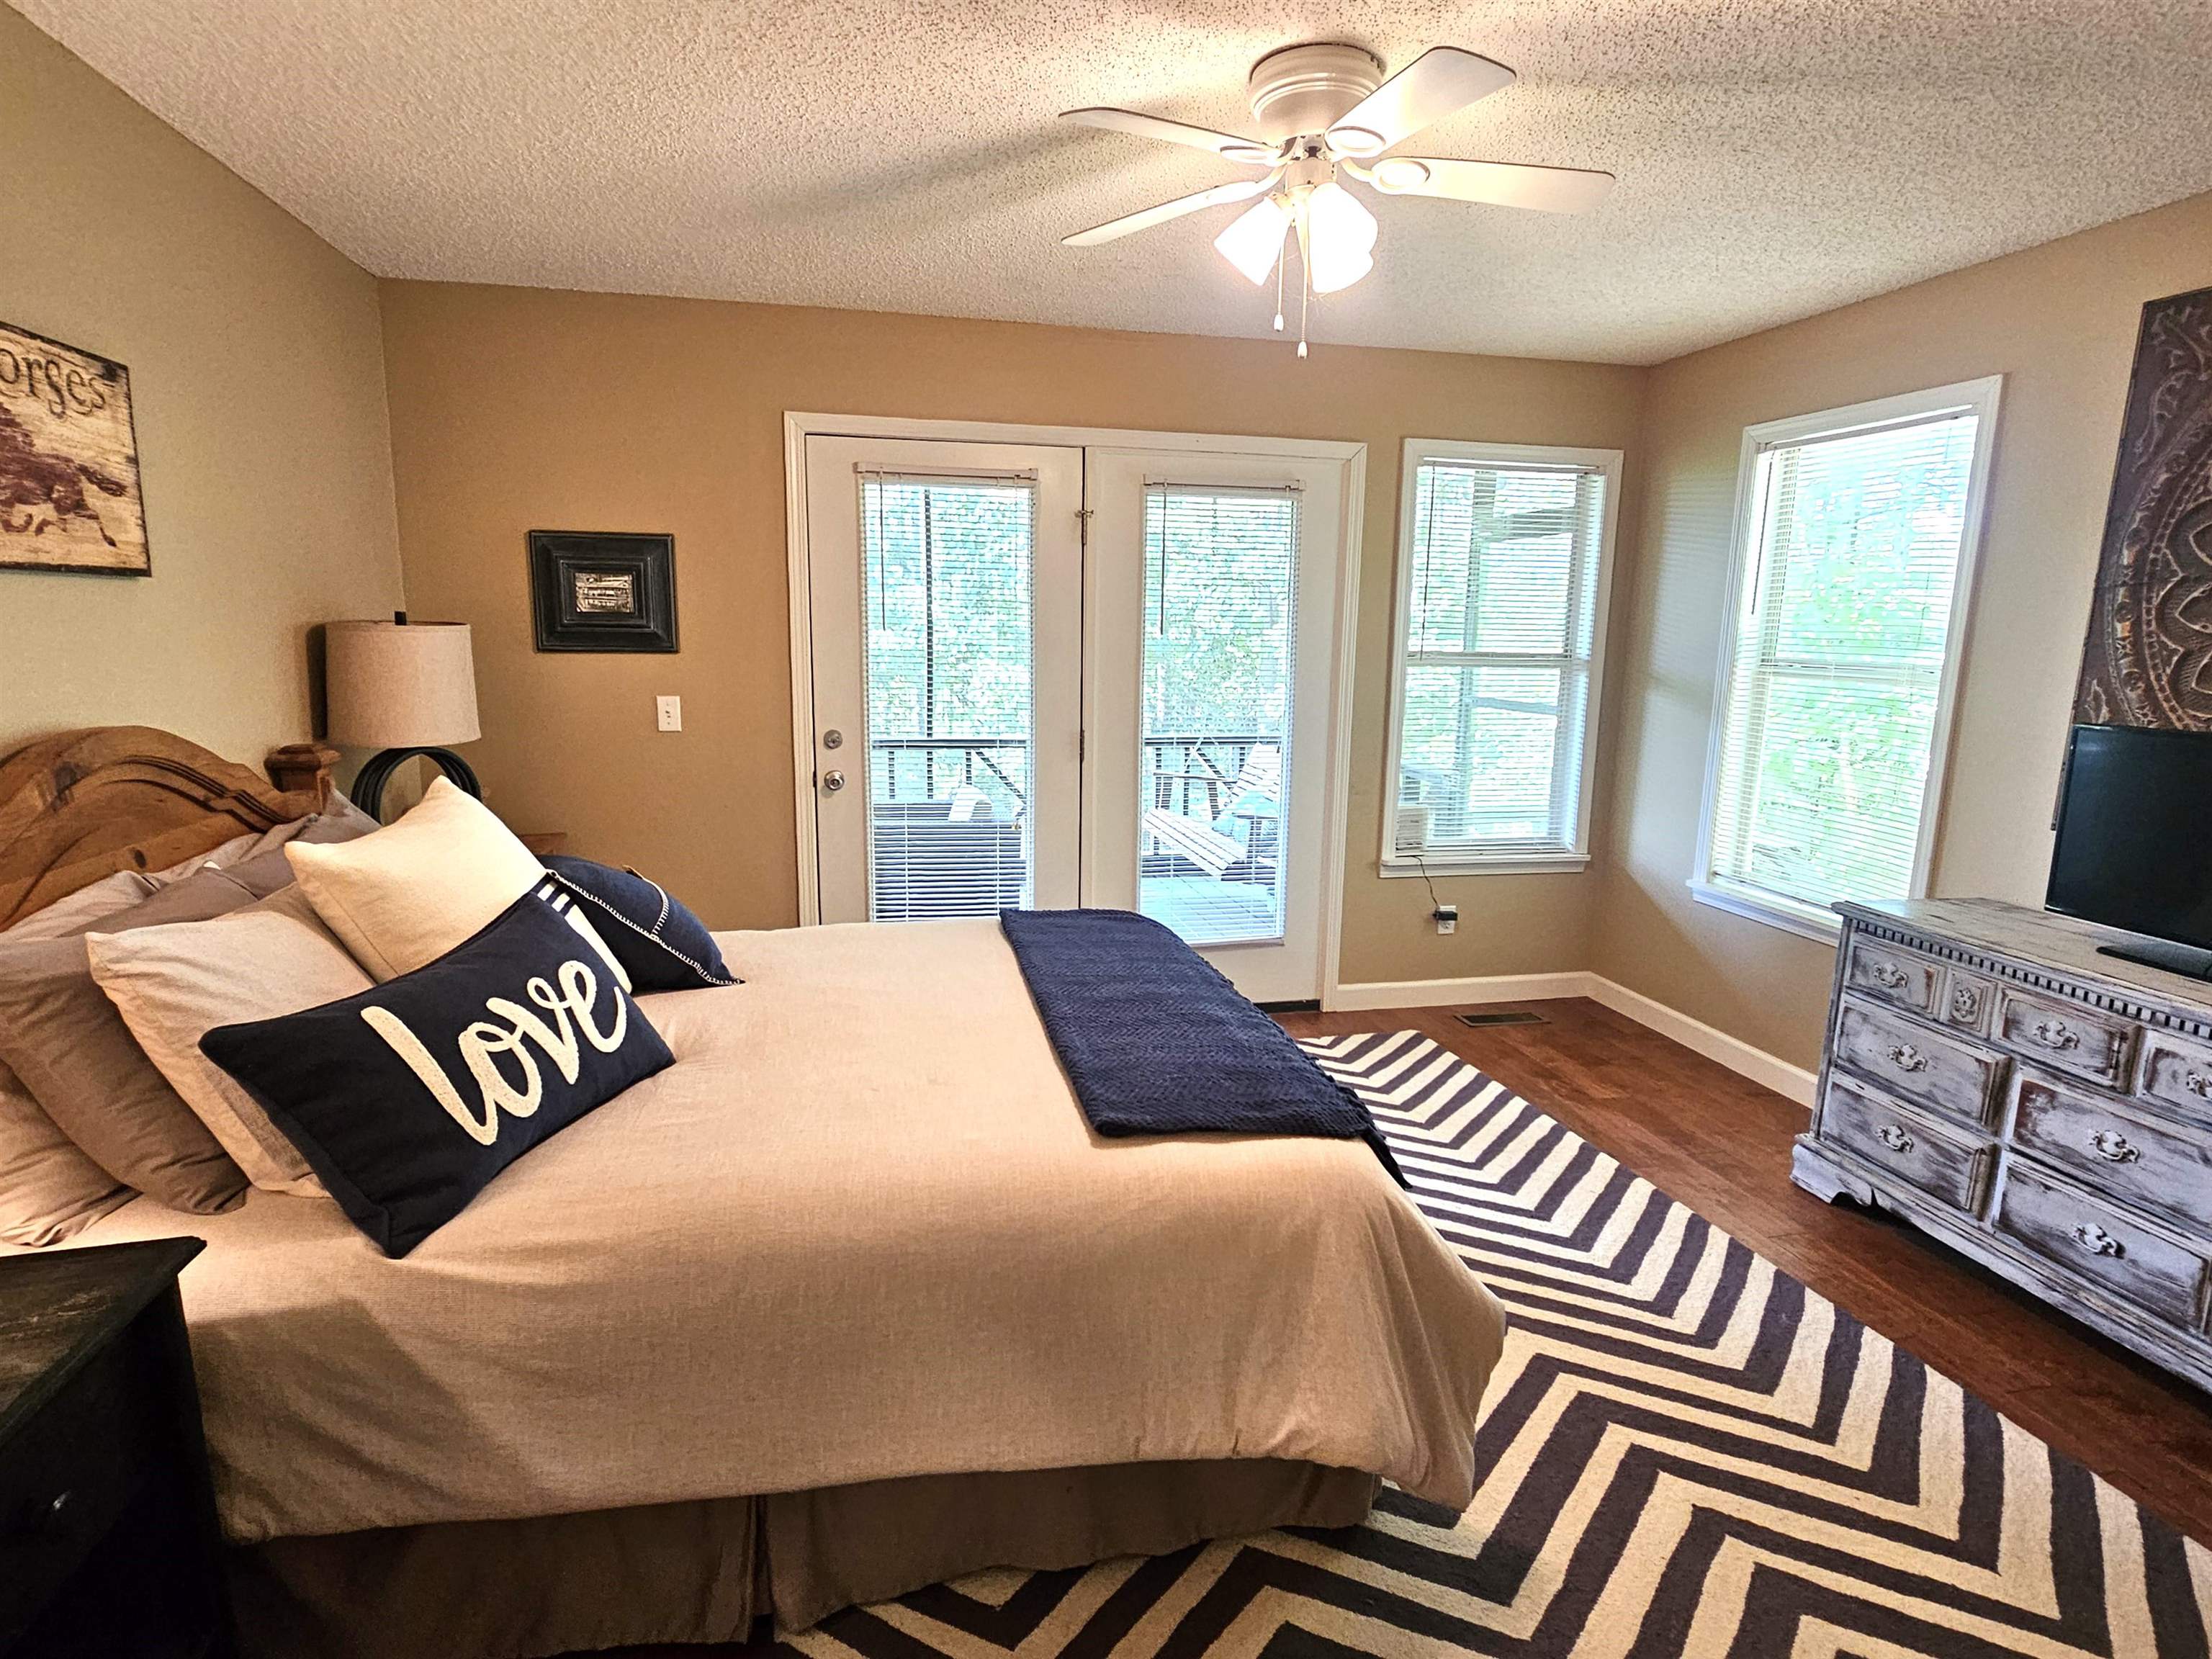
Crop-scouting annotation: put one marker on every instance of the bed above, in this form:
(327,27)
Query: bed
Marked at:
(846,1301)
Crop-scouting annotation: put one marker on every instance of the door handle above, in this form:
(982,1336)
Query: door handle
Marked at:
(832,783)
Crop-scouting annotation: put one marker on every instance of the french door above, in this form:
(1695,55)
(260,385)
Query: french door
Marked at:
(1012,711)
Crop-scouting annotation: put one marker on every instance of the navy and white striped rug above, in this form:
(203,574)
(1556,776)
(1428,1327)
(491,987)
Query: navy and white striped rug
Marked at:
(1688,1453)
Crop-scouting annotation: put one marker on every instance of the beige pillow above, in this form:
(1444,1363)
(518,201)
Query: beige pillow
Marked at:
(174,985)
(49,1190)
(67,1044)
(87,905)
(404,897)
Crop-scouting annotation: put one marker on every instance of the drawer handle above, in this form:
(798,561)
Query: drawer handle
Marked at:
(1966,1002)
(2198,1084)
(2114,1147)
(1890,975)
(1906,1058)
(1892,1135)
(2095,1240)
(2056,1033)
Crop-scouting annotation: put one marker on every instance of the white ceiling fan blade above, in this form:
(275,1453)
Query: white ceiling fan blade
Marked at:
(1248,151)
(1220,196)
(1441,80)
(1501,184)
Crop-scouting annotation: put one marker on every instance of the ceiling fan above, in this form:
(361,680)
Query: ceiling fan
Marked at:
(1325,108)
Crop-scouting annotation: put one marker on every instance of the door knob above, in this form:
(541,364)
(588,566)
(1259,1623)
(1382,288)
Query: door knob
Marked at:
(832,783)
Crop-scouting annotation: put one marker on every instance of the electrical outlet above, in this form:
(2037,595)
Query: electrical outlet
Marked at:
(1447,918)
(668,713)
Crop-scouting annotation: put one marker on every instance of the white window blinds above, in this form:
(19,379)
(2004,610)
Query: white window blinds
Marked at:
(949,567)
(1502,563)
(1843,624)
(1220,628)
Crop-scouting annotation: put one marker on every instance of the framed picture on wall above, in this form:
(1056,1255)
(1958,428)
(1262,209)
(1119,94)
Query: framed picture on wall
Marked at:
(603,591)
(69,461)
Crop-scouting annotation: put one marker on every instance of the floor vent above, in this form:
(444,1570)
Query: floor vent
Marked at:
(1502,1017)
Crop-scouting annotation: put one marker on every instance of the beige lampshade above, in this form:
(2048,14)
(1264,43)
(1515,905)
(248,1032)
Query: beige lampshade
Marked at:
(400,685)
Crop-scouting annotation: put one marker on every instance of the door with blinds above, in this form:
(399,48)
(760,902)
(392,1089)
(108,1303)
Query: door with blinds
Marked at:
(1210,621)
(945,585)
(1012,711)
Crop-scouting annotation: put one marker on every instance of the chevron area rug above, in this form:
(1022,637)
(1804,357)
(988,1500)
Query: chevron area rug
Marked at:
(1688,1454)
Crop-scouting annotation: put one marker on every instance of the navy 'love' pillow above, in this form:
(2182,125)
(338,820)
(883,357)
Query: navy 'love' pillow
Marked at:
(407,1099)
(661,944)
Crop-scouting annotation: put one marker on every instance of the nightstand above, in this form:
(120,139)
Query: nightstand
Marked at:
(108,1522)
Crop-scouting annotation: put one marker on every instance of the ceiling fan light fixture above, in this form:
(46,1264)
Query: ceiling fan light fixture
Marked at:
(1254,241)
(1339,238)
(1396,173)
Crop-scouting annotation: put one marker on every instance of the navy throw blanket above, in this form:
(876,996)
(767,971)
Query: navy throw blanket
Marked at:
(1157,1043)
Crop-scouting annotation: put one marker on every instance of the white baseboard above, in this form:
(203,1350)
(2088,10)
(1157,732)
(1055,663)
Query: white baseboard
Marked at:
(1769,1070)
(1452,992)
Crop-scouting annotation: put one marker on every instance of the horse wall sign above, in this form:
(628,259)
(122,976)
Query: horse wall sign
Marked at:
(69,461)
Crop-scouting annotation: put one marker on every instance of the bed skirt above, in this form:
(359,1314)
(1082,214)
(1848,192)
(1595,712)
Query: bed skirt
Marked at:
(706,1571)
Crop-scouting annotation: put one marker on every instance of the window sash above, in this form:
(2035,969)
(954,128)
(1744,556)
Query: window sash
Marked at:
(1756,665)
(1585,521)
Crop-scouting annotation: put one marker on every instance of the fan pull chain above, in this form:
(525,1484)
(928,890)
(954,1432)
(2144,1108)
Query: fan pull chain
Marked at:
(1282,259)
(1305,303)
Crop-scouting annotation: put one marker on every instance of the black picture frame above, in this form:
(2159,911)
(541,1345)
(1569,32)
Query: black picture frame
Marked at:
(603,591)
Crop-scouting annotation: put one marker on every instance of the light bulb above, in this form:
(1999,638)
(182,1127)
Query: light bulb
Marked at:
(1254,241)
(1340,237)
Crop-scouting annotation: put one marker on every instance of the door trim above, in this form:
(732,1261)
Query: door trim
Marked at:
(799,425)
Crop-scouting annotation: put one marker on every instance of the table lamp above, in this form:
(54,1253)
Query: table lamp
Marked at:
(402,689)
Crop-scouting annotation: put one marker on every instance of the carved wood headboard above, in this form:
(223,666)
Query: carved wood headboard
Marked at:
(79,806)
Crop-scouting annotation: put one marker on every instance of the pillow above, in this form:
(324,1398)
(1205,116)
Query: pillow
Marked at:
(68,1044)
(409,1098)
(408,894)
(82,908)
(661,945)
(49,1190)
(172,984)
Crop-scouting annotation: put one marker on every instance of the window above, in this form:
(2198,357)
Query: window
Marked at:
(1501,568)
(1855,540)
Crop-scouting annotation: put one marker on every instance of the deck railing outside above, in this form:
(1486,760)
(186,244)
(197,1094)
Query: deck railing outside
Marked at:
(1186,772)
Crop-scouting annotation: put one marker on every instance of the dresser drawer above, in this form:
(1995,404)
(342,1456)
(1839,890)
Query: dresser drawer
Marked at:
(1923,1065)
(2138,1160)
(1967,999)
(2097,1241)
(1938,1160)
(1882,970)
(2178,1073)
(2065,1035)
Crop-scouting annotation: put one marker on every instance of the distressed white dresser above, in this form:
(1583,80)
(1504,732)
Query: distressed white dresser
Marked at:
(2039,1107)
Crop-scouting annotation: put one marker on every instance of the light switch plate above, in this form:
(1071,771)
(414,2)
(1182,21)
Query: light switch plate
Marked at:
(668,713)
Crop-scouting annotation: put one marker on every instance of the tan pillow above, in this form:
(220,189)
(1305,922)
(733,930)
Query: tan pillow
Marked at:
(49,1190)
(66,1043)
(82,908)
(174,985)
(404,897)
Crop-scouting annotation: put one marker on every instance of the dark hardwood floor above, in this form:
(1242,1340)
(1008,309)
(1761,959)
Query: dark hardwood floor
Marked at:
(1720,1144)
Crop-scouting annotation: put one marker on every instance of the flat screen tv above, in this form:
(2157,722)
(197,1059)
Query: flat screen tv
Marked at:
(2135,842)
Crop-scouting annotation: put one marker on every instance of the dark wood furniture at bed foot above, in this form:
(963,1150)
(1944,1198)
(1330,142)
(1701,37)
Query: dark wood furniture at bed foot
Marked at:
(1997,1080)
(108,1522)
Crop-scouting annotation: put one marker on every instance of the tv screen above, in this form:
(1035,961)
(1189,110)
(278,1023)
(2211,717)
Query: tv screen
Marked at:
(2135,833)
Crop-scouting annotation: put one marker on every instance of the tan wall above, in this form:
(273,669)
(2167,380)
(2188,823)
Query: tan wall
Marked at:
(519,409)
(257,381)
(2059,323)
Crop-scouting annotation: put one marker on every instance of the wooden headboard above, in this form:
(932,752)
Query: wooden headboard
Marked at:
(79,806)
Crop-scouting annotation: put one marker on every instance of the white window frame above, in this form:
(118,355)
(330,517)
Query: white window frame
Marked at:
(1418,450)
(1981,396)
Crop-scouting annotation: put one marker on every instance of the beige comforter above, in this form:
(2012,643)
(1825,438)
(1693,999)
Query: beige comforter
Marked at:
(860,1230)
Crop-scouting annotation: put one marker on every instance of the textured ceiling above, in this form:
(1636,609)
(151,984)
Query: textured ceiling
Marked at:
(1776,157)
